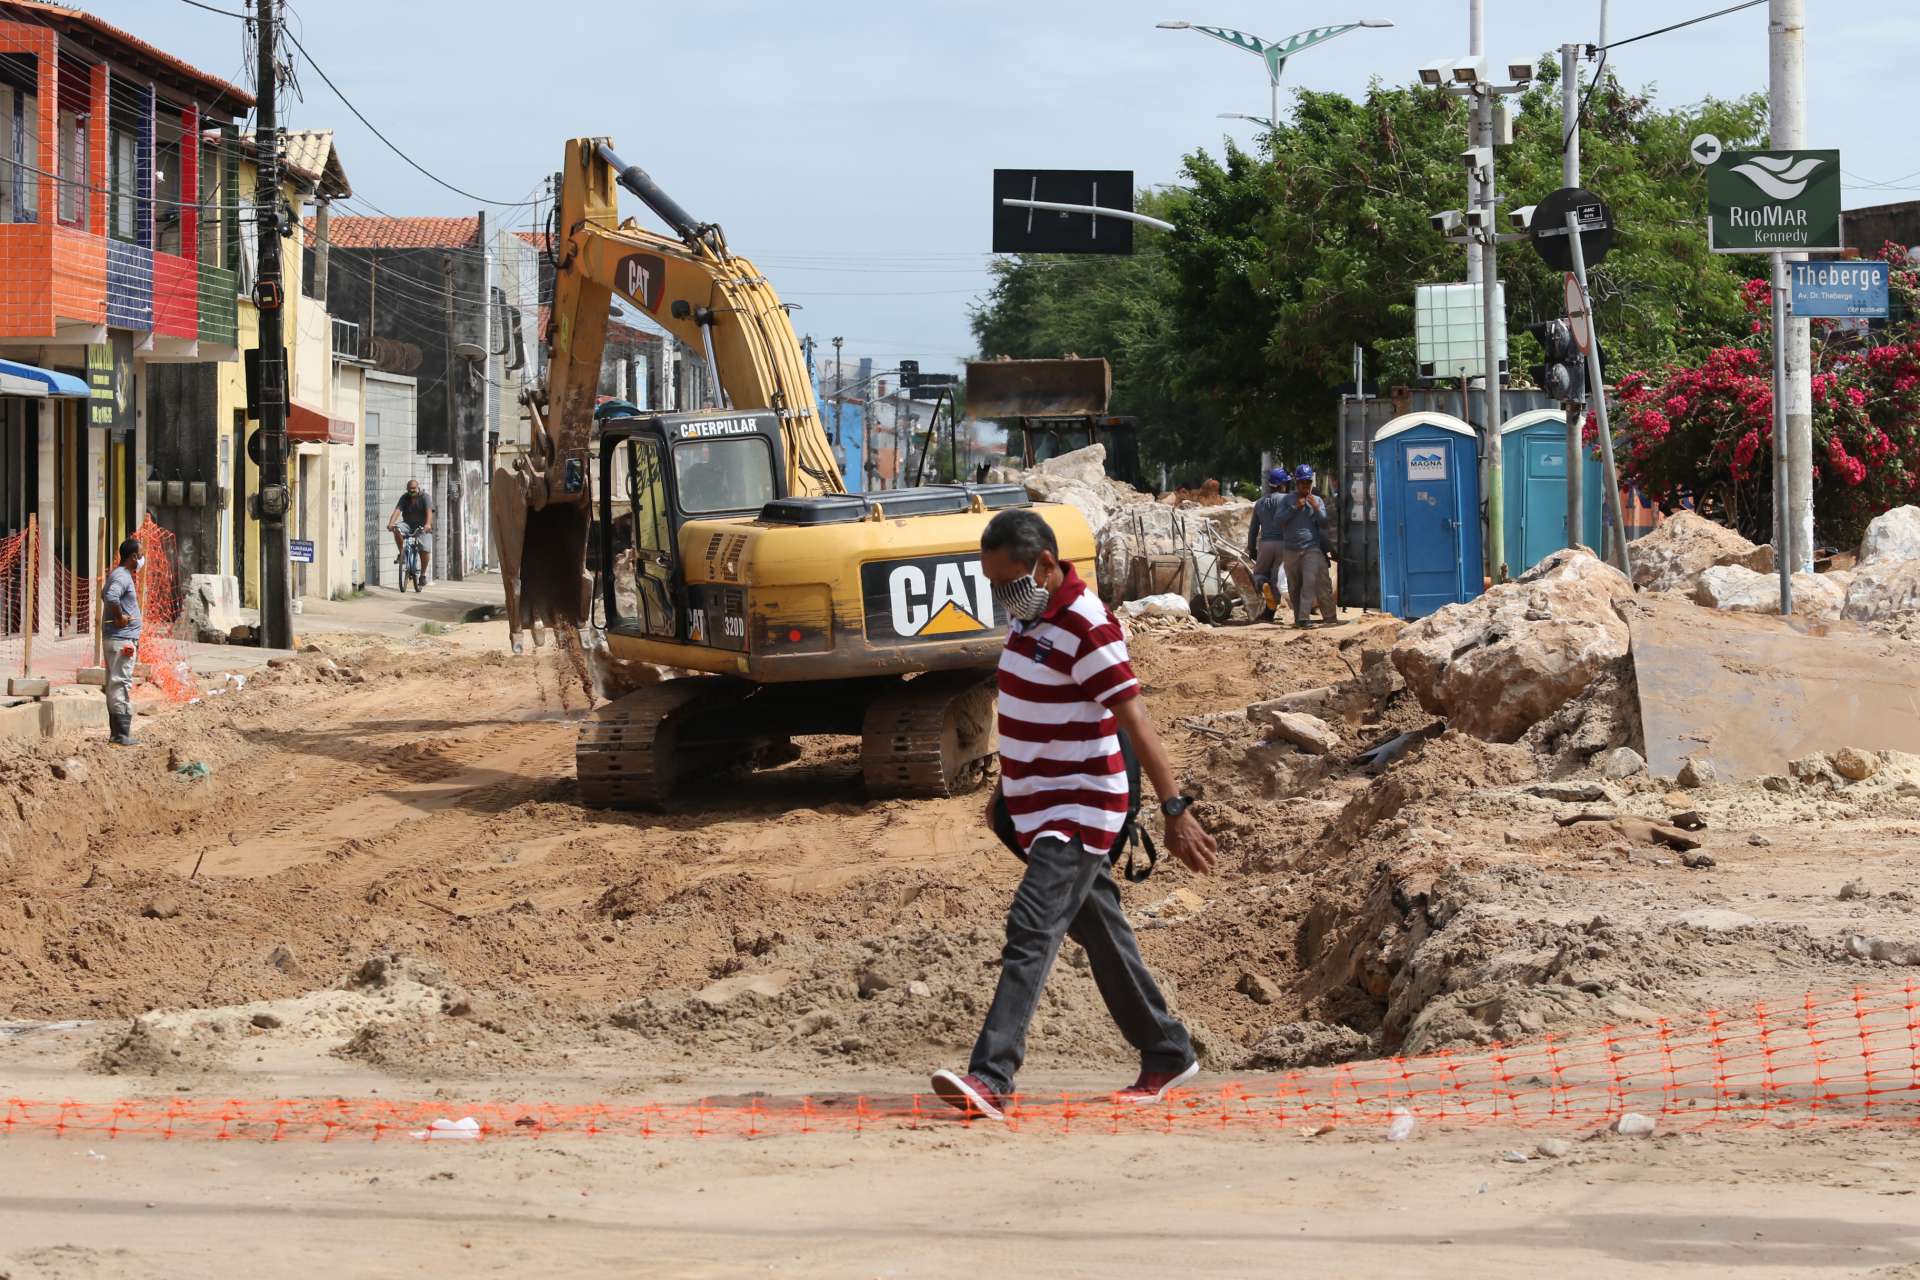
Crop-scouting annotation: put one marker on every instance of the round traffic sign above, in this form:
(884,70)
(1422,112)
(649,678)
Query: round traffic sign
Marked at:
(1705,149)
(1577,319)
(1549,227)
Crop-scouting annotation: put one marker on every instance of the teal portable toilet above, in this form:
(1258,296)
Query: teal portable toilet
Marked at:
(1426,470)
(1533,460)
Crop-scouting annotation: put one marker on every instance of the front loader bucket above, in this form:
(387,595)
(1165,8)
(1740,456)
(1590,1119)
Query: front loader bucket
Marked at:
(1038,388)
(1752,693)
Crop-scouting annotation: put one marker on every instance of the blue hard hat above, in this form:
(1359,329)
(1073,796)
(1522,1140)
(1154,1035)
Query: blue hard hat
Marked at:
(1303,472)
(1277,477)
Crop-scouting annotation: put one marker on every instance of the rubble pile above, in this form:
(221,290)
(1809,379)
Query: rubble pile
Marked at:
(1145,547)
(1673,556)
(1885,582)
(1500,664)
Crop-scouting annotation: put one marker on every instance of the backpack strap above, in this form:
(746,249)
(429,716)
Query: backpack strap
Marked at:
(1140,838)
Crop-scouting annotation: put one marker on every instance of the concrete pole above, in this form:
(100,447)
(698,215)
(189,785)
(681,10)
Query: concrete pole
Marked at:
(1787,107)
(1477,46)
(1570,177)
(1492,318)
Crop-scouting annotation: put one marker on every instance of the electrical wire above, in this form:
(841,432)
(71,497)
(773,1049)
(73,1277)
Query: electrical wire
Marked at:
(391,145)
(1705,17)
(244,17)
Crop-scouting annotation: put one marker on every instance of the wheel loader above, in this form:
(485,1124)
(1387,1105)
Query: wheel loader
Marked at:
(724,543)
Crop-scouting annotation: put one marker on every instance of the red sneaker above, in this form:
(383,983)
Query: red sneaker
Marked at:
(969,1094)
(1153,1086)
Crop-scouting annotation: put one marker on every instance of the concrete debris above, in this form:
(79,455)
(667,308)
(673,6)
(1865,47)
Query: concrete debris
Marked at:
(1553,1148)
(1499,664)
(1885,950)
(1893,535)
(1633,1125)
(161,907)
(1886,590)
(1516,1157)
(1686,545)
(1697,772)
(1758,841)
(1738,589)
(1622,762)
(1698,861)
(1854,891)
(72,769)
(1571,792)
(1309,733)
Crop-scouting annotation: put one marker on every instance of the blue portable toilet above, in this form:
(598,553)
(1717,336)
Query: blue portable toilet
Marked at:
(1533,459)
(1426,470)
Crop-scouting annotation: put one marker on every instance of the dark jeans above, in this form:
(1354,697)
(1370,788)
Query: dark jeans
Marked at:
(1070,893)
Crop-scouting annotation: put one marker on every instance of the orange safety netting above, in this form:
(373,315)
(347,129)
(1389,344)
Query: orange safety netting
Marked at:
(62,613)
(1851,1059)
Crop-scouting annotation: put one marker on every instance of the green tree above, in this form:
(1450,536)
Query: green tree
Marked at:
(1230,334)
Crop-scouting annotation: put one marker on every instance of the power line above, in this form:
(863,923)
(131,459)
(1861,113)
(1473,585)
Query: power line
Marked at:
(244,17)
(1705,17)
(391,145)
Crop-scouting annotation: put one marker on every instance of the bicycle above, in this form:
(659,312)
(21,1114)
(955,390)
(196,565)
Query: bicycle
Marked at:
(411,543)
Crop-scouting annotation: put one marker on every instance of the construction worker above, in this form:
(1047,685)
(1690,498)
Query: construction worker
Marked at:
(1304,543)
(1265,538)
(120,614)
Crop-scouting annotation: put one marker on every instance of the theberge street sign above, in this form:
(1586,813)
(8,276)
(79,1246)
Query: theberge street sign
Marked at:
(1839,290)
(1774,202)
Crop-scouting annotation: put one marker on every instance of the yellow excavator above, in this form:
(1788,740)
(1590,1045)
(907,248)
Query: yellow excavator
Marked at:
(724,543)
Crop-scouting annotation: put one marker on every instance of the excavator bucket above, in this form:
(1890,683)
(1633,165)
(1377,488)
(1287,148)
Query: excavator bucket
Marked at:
(1038,388)
(1752,693)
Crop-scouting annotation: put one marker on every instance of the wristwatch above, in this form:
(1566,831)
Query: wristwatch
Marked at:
(1175,807)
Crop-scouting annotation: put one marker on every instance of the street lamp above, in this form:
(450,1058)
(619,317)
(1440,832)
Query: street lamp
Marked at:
(1275,52)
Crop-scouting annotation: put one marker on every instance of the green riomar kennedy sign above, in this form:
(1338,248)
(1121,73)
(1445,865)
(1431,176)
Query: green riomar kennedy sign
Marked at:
(1774,202)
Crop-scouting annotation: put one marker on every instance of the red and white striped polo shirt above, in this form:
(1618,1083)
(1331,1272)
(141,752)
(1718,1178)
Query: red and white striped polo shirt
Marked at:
(1060,764)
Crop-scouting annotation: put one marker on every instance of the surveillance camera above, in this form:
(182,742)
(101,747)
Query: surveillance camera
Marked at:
(1480,219)
(1477,157)
(1447,220)
(1435,74)
(1520,72)
(1521,218)
(1470,71)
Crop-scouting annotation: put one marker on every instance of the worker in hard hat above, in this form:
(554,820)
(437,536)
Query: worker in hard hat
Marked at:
(1266,539)
(1305,539)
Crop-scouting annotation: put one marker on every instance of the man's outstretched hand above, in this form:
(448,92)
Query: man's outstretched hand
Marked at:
(1188,841)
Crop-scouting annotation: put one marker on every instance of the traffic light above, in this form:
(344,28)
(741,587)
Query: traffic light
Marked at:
(1563,371)
(909,375)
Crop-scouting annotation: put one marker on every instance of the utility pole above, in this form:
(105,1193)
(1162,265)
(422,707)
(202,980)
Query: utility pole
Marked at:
(276,605)
(1483,266)
(1787,110)
(1570,177)
(1477,47)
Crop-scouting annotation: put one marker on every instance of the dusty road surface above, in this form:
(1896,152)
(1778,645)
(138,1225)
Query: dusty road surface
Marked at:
(383,891)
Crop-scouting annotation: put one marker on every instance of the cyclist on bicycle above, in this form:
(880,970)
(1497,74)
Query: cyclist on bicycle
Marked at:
(413,512)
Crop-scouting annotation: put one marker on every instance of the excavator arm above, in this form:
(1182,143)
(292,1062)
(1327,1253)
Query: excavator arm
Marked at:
(695,288)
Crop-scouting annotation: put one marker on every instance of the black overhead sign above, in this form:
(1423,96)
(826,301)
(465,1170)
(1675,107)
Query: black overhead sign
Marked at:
(1549,227)
(1017,229)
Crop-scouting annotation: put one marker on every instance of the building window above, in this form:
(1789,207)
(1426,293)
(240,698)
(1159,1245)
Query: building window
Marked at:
(167,191)
(74,179)
(213,219)
(126,186)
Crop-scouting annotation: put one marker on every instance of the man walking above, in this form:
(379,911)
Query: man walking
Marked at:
(1265,540)
(1300,521)
(120,616)
(412,512)
(1067,690)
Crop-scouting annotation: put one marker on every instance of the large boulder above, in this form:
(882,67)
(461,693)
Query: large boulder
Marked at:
(1673,556)
(1499,664)
(1893,535)
(1737,589)
(1885,589)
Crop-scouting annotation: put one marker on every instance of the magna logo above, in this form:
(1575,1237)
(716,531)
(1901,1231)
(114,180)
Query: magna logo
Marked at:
(1426,462)
(642,277)
(928,598)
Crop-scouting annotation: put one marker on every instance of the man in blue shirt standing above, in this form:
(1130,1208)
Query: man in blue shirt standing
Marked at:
(121,618)
(1291,530)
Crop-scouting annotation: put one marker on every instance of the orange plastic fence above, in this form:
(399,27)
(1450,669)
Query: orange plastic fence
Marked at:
(65,615)
(1851,1059)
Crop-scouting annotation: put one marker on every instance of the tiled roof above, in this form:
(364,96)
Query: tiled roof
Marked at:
(617,331)
(227,98)
(402,233)
(538,239)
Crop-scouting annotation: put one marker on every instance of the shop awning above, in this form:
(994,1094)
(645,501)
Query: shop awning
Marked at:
(18,379)
(310,426)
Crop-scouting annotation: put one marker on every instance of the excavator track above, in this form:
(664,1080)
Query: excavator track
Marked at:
(932,736)
(630,756)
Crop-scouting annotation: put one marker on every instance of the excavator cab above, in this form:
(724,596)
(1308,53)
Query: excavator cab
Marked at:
(657,472)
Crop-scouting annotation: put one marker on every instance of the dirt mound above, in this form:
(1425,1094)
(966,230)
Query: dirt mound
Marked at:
(149,1048)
